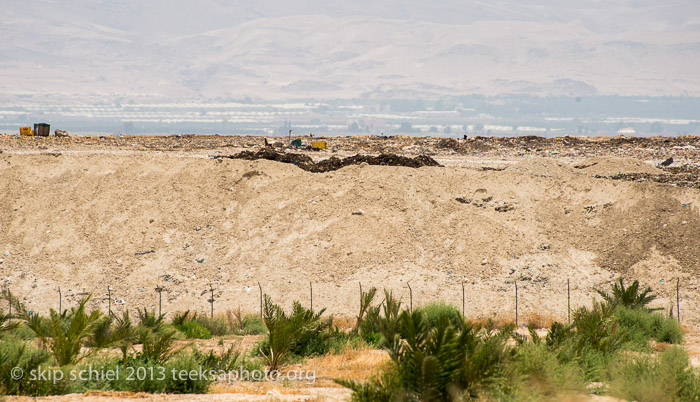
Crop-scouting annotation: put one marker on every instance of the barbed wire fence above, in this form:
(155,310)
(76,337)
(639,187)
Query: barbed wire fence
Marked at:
(460,290)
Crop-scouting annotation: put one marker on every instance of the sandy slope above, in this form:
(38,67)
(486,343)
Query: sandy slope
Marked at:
(77,220)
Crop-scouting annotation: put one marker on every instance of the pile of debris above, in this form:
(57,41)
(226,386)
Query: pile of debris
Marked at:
(683,150)
(681,176)
(333,163)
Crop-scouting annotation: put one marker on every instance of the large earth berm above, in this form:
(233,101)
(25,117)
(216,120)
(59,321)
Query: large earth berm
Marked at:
(84,221)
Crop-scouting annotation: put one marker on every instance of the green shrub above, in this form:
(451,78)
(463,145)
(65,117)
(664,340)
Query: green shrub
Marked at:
(180,318)
(157,346)
(558,334)
(369,326)
(251,324)
(327,341)
(437,363)
(630,296)
(599,334)
(317,335)
(436,311)
(22,331)
(597,329)
(592,340)
(27,358)
(150,319)
(134,376)
(68,332)
(7,323)
(593,362)
(545,376)
(376,322)
(366,299)
(382,322)
(191,326)
(216,326)
(230,359)
(73,335)
(668,377)
(114,332)
(193,330)
(142,374)
(175,384)
(373,339)
(643,325)
(295,334)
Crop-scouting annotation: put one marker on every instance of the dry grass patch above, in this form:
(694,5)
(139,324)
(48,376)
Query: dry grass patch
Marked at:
(344,323)
(538,321)
(242,343)
(258,388)
(356,364)
(118,394)
(278,391)
(498,321)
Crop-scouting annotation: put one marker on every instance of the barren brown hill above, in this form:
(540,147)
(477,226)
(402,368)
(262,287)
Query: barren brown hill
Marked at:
(85,221)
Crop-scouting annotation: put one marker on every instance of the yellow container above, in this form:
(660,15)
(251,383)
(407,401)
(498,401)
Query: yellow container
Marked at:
(26,131)
(318,144)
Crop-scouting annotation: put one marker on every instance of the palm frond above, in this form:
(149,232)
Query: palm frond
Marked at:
(628,296)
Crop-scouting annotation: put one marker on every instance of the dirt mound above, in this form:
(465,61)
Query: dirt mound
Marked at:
(541,167)
(661,223)
(609,166)
(86,221)
(470,145)
(333,163)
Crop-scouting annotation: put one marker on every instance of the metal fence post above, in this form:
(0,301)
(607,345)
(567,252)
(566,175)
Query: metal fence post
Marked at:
(516,304)
(678,299)
(261,300)
(211,300)
(109,303)
(463,316)
(568,301)
(160,299)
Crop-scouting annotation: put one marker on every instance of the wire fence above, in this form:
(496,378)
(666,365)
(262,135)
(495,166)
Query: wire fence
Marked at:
(516,297)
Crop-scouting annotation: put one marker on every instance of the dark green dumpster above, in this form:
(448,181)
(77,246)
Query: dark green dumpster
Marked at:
(42,129)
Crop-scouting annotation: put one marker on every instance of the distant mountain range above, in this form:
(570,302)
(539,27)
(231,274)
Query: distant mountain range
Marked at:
(177,49)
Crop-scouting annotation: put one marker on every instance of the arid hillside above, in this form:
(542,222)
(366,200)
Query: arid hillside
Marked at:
(83,221)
